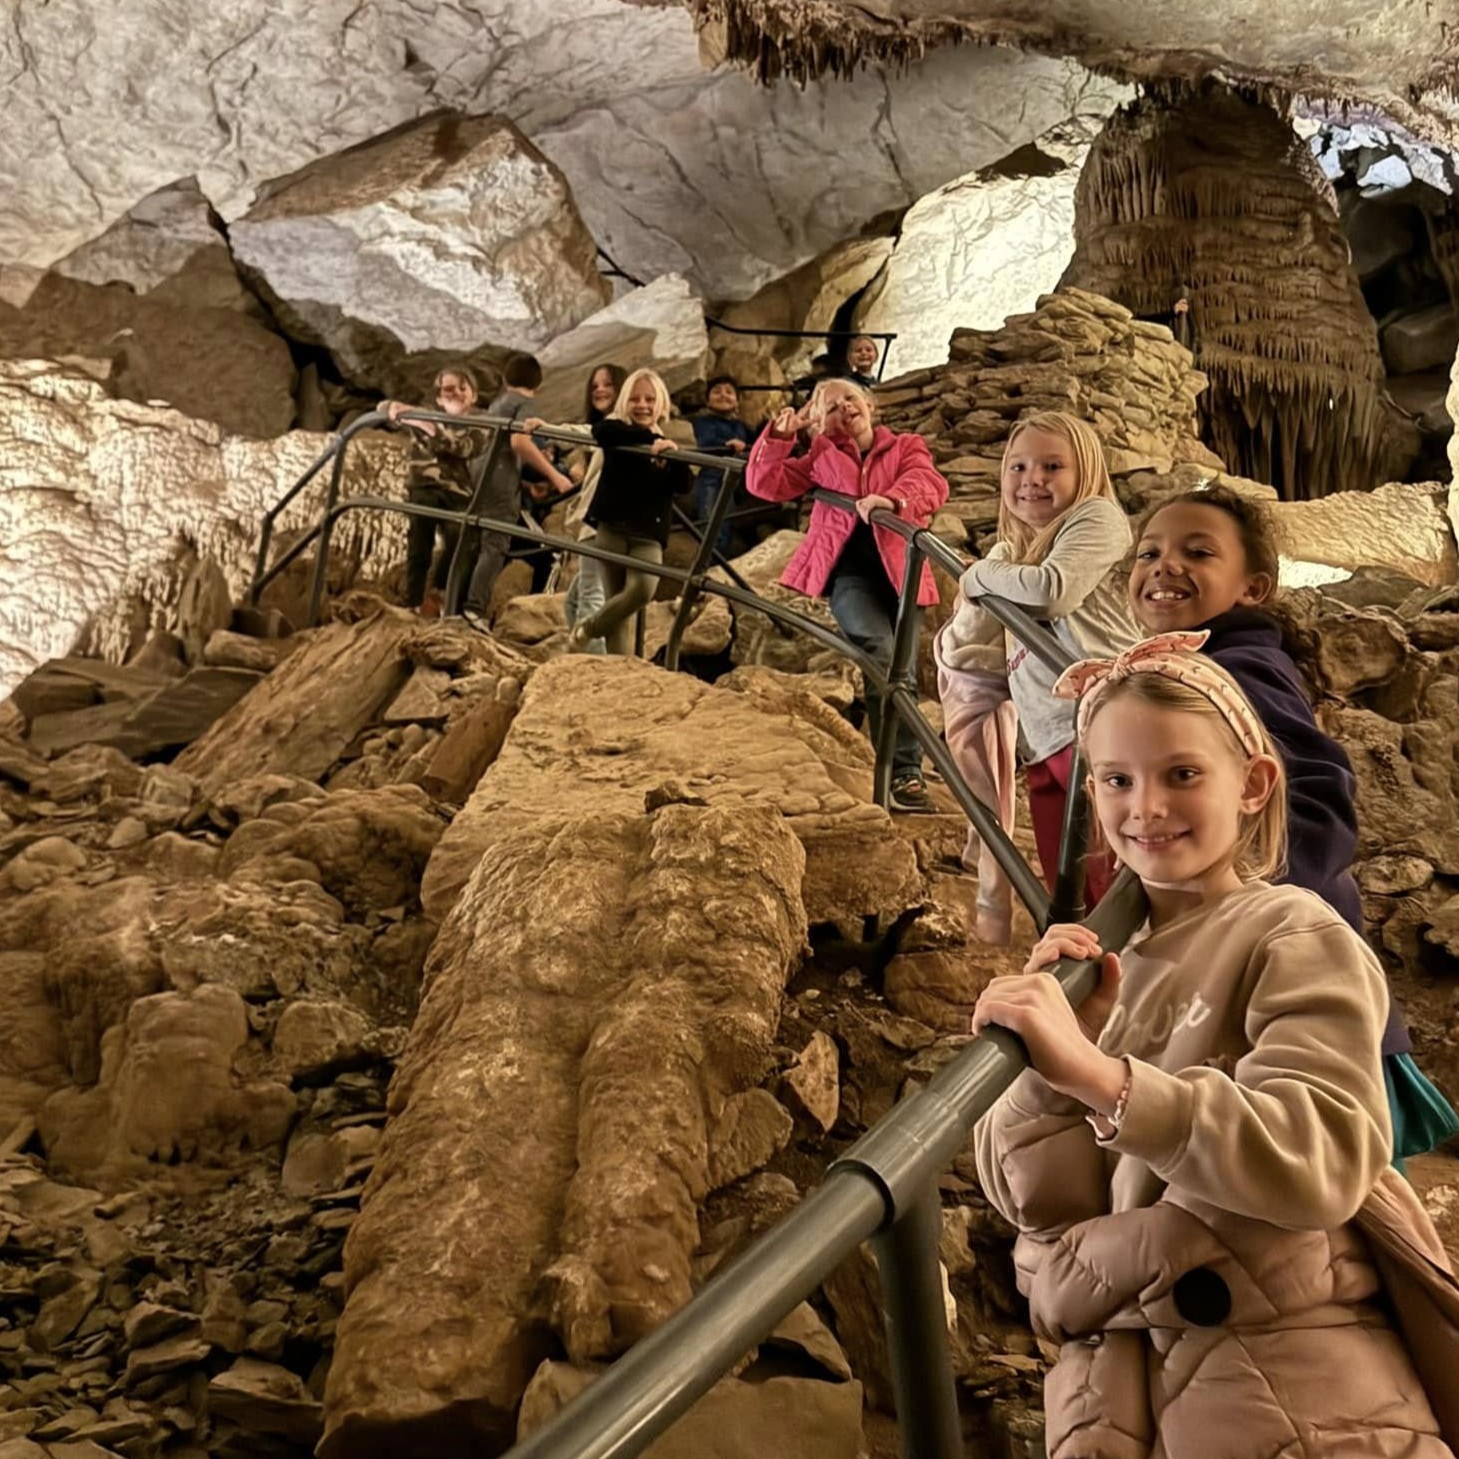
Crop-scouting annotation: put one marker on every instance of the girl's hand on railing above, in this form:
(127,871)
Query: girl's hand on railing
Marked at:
(1071,940)
(393,409)
(866,505)
(533,424)
(662,445)
(1034,1007)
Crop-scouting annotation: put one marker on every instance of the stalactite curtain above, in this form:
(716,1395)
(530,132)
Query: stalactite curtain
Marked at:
(1197,190)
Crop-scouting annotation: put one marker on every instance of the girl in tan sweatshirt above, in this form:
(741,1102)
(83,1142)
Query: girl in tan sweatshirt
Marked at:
(1186,1158)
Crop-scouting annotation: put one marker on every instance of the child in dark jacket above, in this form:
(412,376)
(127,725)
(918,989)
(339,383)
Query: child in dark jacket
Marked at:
(1207,560)
(631,508)
(718,428)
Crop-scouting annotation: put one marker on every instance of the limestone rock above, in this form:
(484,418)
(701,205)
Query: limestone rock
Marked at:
(939,987)
(807,298)
(214,364)
(100,492)
(1421,340)
(283,727)
(366,848)
(171,246)
(32,1043)
(812,1085)
(734,1420)
(314,1033)
(637,967)
(614,729)
(1379,53)
(659,326)
(1077,352)
(140,1110)
(265,1399)
(981,248)
(1407,528)
(750,1129)
(436,240)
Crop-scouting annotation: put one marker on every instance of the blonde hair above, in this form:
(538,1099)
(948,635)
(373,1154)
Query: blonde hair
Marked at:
(662,406)
(1091,472)
(818,403)
(1261,839)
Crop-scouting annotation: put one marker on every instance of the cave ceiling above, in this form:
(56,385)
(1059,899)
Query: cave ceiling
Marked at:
(1400,56)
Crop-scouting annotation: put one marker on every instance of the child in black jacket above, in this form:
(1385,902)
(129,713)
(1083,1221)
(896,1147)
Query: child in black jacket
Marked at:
(632,507)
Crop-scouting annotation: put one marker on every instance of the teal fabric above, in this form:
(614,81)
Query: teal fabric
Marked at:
(1422,1117)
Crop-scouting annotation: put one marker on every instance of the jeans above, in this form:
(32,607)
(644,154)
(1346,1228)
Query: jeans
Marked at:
(585,595)
(420,541)
(629,589)
(491,557)
(865,606)
(706,488)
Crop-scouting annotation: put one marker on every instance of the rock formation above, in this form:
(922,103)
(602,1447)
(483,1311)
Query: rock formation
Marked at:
(979,250)
(596,85)
(535,1135)
(1204,192)
(1077,352)
(443,239)
(170,245)
(102,499)
(619,732)
(1132,382)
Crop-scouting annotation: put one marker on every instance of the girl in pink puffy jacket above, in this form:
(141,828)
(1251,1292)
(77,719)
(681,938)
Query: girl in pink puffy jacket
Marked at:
(857,566)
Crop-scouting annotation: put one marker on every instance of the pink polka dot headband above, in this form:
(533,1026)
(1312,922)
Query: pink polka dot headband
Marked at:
(1172,656)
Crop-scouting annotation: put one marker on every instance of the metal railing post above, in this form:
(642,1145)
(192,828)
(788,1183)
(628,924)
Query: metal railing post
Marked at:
(902,672)
(916,1323)
(326,532)
(703,560)
(1066,904)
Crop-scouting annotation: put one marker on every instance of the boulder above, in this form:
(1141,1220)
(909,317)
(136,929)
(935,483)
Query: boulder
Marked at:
(140,1111)
(1422,340)
(103,494)
(549,1132)
(170,246)
(606,732)
(285,727)
(979,249)
(659,326)
(434,242)
(214,364)
(1405,528)
(366,848)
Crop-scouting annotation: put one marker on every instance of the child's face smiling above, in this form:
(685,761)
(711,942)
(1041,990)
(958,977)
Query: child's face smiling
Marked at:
(862,355)
(1171,789)
(454,395)
(724,399)
(1039,478)
(643,404)
(605,392)
(1190,566)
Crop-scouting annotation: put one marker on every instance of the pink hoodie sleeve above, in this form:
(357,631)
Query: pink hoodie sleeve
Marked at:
(773,474)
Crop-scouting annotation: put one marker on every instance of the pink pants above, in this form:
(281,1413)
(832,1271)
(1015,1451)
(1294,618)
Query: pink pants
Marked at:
(1048,792)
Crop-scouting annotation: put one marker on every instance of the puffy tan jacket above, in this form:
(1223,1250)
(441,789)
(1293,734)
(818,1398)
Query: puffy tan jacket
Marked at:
(896,466)
(1203,1275)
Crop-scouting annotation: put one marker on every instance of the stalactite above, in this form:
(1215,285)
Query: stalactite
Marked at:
(1204,188)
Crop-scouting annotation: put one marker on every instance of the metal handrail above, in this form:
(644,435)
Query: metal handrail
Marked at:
(884,1187)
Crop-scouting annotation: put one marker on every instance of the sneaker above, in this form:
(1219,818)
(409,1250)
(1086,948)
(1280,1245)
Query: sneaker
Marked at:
(909,794)
(577,639)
